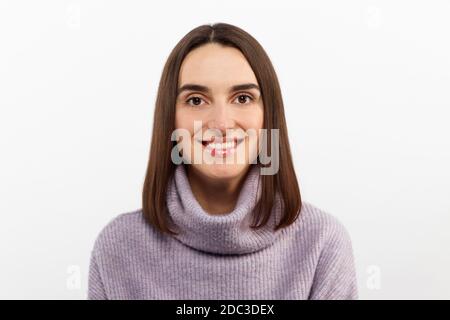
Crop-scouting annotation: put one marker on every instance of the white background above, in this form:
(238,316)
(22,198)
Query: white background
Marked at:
(366,91)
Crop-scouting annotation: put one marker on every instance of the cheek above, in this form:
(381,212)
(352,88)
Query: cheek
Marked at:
(185,128)
(183,120)
(254,119)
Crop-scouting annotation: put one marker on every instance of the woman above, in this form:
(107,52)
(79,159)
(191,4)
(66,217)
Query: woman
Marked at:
(213,227)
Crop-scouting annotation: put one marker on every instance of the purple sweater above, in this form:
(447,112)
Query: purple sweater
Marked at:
(219,256)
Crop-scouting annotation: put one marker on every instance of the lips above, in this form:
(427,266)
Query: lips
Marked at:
(222,143)
(221,147)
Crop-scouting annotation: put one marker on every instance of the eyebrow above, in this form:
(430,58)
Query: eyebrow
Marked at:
(200,88)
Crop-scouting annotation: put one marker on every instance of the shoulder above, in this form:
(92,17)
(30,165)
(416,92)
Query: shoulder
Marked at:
(329,244)
(124,230)
(320,227)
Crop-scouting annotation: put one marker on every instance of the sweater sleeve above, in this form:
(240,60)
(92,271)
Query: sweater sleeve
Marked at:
(96,290)
(335,275)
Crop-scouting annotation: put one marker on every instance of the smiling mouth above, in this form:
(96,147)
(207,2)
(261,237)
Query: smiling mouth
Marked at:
(223,148)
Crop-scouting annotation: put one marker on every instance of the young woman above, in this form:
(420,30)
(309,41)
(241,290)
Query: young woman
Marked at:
(213,227)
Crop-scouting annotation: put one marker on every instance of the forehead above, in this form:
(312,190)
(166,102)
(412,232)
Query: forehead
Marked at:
(214,65)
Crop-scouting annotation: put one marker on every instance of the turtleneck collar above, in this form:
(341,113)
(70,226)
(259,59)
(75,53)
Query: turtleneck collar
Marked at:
(228,233)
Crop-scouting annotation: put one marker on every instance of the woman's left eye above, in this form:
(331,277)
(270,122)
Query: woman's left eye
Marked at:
(243,98)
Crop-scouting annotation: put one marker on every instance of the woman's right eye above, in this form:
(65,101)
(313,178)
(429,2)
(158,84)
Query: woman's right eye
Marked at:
(196,101)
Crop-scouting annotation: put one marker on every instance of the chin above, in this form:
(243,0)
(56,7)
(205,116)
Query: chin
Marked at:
(221,171)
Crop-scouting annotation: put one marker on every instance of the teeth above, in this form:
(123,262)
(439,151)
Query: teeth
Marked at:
(226,145)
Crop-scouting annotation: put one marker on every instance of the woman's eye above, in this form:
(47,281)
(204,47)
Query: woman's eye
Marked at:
(194,101)
(244,98)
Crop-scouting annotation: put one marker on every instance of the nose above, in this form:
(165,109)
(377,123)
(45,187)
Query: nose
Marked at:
(221,118)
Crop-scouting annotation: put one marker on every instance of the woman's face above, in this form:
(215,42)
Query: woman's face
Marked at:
(219,92)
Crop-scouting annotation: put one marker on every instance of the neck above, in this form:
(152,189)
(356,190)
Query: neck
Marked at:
(222,234)
(215,196)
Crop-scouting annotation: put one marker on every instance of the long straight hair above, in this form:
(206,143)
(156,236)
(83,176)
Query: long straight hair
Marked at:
(160,167)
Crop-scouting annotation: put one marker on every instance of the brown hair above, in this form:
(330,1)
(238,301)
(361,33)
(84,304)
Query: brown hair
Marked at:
(160,167)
